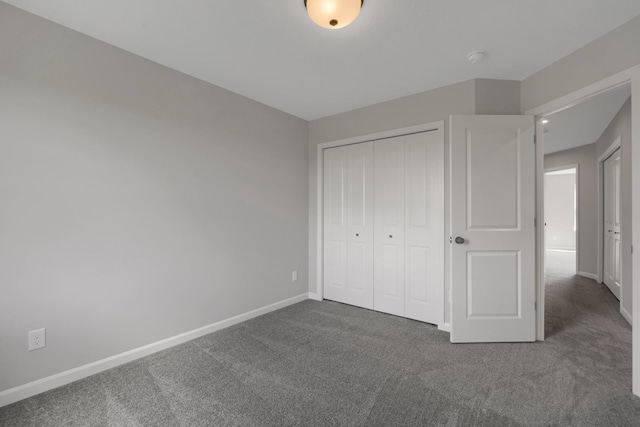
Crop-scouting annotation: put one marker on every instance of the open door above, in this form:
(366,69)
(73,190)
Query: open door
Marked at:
(493,231)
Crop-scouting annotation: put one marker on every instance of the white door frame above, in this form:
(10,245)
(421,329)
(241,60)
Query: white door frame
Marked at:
(427,127)
(600,177)
(575,166)
(631,75)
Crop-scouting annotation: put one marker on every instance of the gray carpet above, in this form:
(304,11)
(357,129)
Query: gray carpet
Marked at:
(328,364)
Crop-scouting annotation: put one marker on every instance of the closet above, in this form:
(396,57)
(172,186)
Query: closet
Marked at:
(383,225)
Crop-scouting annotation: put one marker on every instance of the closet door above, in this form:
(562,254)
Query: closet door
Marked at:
(389,247)
(612,256)
(424,228)
(335,224)
(360,225)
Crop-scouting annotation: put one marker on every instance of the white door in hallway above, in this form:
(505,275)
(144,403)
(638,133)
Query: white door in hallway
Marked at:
(492,225)
(612,258)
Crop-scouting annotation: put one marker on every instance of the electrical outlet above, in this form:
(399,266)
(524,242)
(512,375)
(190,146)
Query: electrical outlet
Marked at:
(294,276)
(37,339)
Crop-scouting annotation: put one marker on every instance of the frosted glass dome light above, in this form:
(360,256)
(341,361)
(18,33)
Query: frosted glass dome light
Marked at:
(333,14)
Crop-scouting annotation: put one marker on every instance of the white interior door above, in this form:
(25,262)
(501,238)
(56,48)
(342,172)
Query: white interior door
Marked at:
(612,258)
(335,224)
(360,225)
(389,246)
(492,222)
(424,227)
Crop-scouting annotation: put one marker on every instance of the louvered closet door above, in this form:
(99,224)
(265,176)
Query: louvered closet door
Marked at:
(424,227)
(348,224)
(389,247)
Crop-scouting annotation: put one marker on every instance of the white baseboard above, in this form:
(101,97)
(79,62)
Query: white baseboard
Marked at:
(315,296)
(626,315)
(446,327)
(588,275)
(39,386)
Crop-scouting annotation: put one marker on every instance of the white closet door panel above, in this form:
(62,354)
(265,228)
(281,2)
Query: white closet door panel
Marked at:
(389,183)
(360,225)
(424,228)
(335,224)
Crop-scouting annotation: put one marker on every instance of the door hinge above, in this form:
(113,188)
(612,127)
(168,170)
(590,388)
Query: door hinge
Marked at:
(450,239)
(535,305)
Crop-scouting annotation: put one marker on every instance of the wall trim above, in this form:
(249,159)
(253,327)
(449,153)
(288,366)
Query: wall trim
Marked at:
(315,296)
(592,276)
(540,232)
(626,315)
(574,98)
(446,327)
(24,391)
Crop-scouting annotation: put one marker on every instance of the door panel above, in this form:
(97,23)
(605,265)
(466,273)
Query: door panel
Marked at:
(492,179)
(492,209)
(424,228)
(335,224)
(389,211)
(360,225)
(492,272)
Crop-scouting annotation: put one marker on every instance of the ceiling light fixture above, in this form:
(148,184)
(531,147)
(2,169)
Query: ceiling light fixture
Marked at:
(333,14)
(545,121)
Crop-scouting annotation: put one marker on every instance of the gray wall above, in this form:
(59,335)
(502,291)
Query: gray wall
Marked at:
(480,96)
(559,211)
(621,126)
(585,158)
(137,202)
(497,96)
(612,53)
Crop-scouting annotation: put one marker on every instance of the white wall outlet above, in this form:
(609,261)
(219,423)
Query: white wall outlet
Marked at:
(294,276)
(37,339)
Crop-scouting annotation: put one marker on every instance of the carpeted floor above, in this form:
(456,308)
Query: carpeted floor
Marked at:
(328,364)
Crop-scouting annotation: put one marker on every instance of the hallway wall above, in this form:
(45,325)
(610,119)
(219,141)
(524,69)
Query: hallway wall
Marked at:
(585,157)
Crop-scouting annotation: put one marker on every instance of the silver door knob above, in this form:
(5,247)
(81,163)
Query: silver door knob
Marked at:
(459,240)
(390,236)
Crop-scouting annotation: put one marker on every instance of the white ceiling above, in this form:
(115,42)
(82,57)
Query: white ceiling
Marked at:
(584,123)
(270,51)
